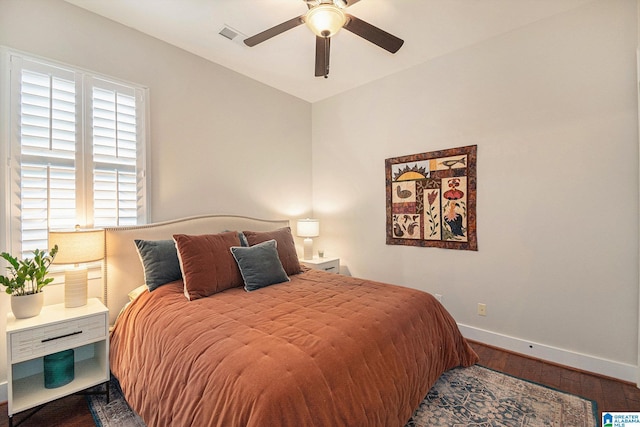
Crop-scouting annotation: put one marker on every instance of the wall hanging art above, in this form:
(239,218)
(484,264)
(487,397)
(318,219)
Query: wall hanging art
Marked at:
(431,199)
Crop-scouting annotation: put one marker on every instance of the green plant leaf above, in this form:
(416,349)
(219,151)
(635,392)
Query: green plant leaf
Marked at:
(32,271)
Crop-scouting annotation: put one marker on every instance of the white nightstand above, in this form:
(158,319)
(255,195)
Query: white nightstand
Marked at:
(331,265)
(83,329)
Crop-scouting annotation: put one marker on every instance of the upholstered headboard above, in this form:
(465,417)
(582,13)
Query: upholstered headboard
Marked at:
(123,270)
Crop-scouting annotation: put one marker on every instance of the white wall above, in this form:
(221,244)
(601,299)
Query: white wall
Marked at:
(220,142)
(553,110)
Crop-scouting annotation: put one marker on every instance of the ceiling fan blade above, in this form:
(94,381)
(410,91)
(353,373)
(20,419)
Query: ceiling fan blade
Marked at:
(373,34)
(274,31)
(323,48)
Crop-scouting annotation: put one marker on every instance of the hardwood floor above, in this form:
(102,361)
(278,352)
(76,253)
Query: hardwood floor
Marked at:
(610,395)
(71,411)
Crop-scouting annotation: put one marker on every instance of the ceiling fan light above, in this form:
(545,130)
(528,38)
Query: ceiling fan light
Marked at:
(325,20)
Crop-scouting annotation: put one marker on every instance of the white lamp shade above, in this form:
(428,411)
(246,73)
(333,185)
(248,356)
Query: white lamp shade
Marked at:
(77,246)
(325,20)
(308,228)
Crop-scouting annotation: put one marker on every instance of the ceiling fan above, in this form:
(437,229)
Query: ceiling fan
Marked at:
(325,18)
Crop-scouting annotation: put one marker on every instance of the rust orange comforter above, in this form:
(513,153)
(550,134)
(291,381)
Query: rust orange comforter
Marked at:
(320,350)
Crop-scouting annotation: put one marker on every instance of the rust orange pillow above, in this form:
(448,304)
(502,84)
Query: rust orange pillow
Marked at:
(207,264)
(285,245)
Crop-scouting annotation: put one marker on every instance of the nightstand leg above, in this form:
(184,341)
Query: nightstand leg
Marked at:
(11,421)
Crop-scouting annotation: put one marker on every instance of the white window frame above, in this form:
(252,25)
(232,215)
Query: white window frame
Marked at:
(10,146)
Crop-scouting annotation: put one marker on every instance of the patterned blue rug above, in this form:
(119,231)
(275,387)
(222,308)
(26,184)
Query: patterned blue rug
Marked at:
(481,397)
(474,396)
(117,413)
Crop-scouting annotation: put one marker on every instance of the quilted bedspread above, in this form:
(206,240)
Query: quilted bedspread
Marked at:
(320,350)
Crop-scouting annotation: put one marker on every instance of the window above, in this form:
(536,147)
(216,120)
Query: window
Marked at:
(76,151)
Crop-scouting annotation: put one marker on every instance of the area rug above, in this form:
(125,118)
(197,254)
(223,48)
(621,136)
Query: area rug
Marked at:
(474,396)
(116,413)
(481,397)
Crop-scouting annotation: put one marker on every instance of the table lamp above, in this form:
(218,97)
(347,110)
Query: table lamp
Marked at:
(76,247)
(308,228)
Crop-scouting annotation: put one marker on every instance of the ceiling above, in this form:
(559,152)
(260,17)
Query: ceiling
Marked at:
(430,28)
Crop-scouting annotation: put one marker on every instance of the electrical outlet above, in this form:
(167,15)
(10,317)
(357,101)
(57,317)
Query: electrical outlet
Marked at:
(482,309)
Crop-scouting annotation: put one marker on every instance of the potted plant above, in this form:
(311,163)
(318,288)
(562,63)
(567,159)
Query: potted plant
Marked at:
(25,281)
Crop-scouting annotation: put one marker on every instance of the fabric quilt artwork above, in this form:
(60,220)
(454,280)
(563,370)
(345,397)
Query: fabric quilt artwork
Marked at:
(431,199)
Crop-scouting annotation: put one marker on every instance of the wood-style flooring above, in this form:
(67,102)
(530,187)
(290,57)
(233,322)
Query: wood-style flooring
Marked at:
(610,395)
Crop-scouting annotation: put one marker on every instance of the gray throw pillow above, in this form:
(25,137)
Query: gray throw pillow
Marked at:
(259,265)
(160,262)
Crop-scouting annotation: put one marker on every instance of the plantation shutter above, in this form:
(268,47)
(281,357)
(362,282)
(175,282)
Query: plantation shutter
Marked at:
(77,152)
(116,189)
(47,145)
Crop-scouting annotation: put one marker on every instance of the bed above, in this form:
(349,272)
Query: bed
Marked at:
(310,349)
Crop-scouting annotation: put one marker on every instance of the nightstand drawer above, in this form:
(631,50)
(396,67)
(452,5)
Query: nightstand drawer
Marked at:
(330,265)
(30,343)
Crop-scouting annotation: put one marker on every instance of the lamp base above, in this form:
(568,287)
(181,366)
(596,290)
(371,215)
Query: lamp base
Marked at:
(75,287)
(308,248)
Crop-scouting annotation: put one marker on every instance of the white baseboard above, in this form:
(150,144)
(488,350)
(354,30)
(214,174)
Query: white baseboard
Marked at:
(4,393)
(609,368)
